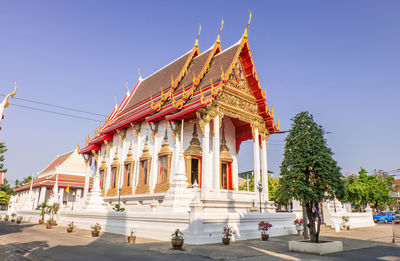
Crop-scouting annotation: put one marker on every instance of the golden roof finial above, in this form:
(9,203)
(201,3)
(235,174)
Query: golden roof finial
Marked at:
(272,111)
(277,125)
(138,71)
(248,24)
(116,105)
(197,38)
(222,73)
(127,88)
(10,95)
(172,80)
(220,30)
(79,148)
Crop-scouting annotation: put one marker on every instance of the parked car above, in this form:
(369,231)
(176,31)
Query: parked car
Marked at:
(384,217)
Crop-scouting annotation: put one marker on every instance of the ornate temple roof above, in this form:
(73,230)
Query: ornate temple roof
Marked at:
(183,86)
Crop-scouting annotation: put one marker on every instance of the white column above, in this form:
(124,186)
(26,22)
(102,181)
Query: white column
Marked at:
(205,177)
(61,196)
(154,168)
(78,194)
(256,159)
(35,198)
(87,178)
(264,168)
(215,172)
(137,168)
(42,195)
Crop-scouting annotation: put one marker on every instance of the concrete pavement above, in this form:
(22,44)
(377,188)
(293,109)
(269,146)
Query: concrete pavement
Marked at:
(35,242)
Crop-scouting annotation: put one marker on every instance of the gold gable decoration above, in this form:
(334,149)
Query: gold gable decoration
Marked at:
(238,80)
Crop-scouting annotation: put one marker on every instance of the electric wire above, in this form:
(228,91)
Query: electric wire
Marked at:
(58,113)
(57,106)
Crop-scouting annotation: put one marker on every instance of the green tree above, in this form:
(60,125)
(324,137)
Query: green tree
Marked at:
(308,172)
(4,198)
(273,186)
(367,189)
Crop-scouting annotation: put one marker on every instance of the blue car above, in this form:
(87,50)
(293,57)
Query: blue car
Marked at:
(384,217)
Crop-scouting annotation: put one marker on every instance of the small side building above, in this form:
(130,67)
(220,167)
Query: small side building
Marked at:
(65,171)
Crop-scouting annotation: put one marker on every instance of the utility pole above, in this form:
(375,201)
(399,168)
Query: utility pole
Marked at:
(379,172)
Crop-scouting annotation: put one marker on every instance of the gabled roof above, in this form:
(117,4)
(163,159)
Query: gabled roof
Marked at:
(57,162)
(64,180)
(190,82)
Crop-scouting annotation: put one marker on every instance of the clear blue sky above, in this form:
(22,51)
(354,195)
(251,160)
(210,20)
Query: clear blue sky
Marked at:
(340,60)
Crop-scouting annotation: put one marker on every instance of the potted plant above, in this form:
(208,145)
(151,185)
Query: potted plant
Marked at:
(132,237)
(299,226)
(177,239)
(96,230)
(227,233)
(264,227)
(13,216)
(118,208)
(48,224)
(345,224)
(19,219)
(43,209)
(71,226)
(7,218)
(53,210)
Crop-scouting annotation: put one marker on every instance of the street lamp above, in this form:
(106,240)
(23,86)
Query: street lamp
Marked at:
(119,197)
(260,188)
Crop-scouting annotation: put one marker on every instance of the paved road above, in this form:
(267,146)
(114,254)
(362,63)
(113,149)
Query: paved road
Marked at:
(35,242)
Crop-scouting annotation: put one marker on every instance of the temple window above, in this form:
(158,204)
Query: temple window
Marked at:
(144,173)
(113,177)
(103,174)
(225,164)
(164,165)
(193,156)
(128,172)
(115,166)
(129,164)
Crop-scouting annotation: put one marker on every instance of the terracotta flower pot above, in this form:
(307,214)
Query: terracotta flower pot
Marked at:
(12,220)
(226,240)
(19,221)
(177,243)
(41,221)
(95,233)
(131,239)
(48,226)
(69,230)
(6,219)
(264,237)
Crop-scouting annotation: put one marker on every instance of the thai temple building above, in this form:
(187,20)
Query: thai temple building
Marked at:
(168,153)
(65,171)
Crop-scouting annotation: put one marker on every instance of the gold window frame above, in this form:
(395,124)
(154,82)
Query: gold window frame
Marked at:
(164,152)
(114,191)
(103,167)
(144,187)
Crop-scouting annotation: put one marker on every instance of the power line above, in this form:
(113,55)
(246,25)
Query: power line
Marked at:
(53,112)
(57,106)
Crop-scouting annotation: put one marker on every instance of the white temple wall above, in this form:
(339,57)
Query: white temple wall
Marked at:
(160,225)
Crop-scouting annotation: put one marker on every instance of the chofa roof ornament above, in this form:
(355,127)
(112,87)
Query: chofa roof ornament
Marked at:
(247,26)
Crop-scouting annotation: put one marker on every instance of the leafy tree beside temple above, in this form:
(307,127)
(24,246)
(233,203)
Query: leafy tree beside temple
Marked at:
(309,173)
